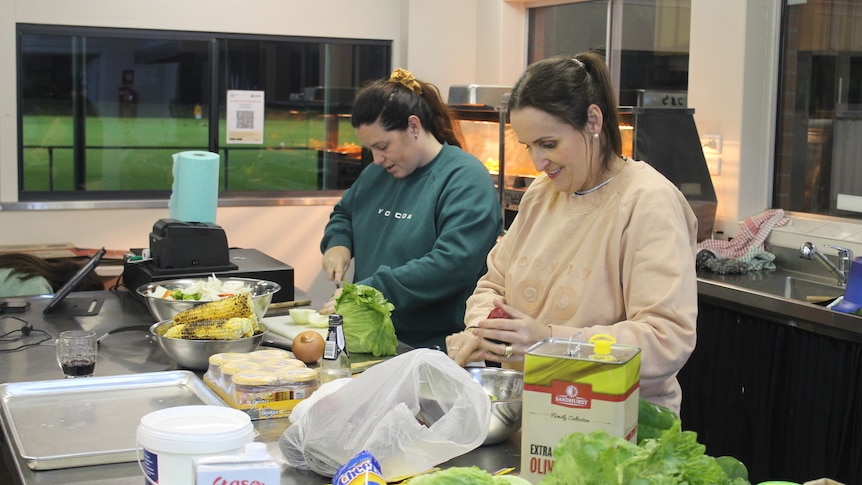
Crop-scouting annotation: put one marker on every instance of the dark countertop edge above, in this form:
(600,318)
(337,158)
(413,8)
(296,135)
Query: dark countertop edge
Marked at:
(806,316)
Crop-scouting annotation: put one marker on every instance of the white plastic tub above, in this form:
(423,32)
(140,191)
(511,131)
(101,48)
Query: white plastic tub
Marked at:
(173,438)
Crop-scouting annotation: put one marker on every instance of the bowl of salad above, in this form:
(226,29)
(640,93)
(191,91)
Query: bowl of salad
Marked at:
(167,298)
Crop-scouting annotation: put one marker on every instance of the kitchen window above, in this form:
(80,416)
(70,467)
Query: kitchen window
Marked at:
(819,128)
(645,43)
(102,111)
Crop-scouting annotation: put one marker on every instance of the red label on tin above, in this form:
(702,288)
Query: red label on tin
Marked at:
(570,394)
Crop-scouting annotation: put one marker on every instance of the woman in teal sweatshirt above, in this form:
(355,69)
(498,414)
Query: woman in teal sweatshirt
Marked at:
(420,221)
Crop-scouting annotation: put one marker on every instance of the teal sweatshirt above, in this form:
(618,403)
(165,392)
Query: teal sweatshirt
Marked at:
(15,286)
(421,240)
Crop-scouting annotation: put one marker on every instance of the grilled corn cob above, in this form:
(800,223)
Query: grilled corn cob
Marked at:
(224,329)
(232,306)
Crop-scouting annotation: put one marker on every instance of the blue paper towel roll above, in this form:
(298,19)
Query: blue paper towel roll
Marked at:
(194,196)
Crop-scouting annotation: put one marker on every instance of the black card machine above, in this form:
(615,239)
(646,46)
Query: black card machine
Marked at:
(184,247)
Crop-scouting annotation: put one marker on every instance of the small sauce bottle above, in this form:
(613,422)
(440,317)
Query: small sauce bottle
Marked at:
(335,363)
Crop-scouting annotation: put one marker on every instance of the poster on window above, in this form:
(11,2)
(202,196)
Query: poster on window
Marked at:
(245,117)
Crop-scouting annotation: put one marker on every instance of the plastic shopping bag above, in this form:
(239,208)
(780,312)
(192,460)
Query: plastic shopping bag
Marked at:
(411,412)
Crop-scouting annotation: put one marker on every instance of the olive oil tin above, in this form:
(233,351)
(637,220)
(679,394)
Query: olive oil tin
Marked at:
(572,386)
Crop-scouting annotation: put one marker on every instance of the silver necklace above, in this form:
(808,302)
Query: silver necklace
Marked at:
(588,191)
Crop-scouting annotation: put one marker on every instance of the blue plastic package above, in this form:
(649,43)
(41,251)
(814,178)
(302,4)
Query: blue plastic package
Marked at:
(362,469)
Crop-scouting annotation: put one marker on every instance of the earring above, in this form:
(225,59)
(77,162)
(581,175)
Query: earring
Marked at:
(415,136)
(596,136)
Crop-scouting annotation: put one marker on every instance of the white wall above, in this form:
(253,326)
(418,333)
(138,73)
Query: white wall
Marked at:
(731,86)
(472,42)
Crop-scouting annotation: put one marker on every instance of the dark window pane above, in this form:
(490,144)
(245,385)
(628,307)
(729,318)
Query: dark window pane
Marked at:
(104,110)
(651,46)
(567,29)
(820,110)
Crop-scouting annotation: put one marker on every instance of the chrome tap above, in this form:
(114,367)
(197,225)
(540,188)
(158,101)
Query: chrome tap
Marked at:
(845,259)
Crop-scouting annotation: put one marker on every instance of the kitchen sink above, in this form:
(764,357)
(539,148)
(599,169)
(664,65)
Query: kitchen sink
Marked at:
(794,288)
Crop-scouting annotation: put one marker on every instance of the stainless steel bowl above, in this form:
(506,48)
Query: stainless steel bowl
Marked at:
(506,389)
(164,309)
(195,354)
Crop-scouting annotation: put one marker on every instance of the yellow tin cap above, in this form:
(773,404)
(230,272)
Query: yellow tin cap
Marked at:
(602,347)
(602,343)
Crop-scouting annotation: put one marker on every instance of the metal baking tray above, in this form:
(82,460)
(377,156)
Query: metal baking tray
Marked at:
(92,421)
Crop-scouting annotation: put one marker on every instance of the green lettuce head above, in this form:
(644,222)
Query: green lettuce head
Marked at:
(466,476)
(368,326)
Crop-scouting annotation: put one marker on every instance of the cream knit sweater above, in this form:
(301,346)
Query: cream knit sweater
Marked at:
(620,261)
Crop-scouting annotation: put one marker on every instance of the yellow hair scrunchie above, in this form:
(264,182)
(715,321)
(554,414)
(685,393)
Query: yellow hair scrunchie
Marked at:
(406,79)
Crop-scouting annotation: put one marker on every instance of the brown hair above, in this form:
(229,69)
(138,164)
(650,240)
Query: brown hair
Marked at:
(56,271)
(394,100)
(564,87)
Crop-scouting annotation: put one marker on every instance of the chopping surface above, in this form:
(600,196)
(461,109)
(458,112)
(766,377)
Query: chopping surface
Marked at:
(285,326)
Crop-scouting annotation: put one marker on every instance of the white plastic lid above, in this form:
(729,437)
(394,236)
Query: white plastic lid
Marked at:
(252,453)
(195,429)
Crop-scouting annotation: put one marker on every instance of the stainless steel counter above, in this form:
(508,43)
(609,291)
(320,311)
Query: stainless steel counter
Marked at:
(131,352)
(747,292)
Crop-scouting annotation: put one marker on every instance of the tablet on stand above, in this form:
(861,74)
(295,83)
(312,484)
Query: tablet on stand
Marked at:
(63,304)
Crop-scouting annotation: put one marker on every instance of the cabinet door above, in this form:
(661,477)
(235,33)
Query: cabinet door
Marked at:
(785,401)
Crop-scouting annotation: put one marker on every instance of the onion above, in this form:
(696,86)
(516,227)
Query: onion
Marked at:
(308,346)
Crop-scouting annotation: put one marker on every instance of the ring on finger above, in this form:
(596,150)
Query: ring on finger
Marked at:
(508,351)
(454,348)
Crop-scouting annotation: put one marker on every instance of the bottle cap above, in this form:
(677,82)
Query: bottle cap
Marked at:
(256,451)
(602,346)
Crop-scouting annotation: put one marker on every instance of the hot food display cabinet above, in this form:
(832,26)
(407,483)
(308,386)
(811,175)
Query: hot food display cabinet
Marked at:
(667,138)
(487,134)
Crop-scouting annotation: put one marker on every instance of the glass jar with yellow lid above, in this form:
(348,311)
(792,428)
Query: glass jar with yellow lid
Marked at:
(230,369)
(297,383)
(282,364)
(255,386)
(216,361)
(269,354)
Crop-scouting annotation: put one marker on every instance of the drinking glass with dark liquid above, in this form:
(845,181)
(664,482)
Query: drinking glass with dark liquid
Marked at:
(76,353)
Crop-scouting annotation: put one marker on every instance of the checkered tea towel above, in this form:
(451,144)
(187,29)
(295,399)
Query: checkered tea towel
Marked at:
(754,260)
(752,233)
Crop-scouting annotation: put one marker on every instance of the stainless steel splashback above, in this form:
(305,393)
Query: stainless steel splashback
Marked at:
(477,94)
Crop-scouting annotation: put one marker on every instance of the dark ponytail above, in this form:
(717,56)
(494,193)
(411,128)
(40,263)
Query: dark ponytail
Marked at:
(565,86)
(393,100)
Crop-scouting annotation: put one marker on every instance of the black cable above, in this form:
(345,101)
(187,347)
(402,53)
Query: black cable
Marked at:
(120,281)
(26,330)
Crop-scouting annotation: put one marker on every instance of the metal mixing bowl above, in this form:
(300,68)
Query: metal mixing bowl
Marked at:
(506,389)
(164,309)
(195,354)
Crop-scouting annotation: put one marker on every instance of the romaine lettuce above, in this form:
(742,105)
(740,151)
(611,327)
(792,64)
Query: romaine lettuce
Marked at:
(675,458)
(466,476)
(368,326)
